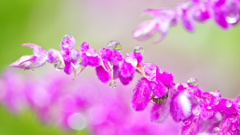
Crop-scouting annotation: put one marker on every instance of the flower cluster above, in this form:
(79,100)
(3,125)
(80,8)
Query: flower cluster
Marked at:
(198,111)
(225,13)
(109,62)
(74,105)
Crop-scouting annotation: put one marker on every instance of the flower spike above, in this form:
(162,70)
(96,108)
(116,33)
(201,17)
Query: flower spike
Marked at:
(198,111)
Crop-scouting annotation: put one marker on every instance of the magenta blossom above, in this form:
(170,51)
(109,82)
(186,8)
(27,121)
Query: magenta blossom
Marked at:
(224,12)
(198,111)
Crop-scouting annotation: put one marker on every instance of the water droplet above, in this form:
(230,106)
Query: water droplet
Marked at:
(228,103)
(66,36)
(209,107)
(113,84)
(58,65)
(186,123)
(115,45)
(193,81)
(232,18)
(78,62)
(138,49)
(32,70)
(216,129)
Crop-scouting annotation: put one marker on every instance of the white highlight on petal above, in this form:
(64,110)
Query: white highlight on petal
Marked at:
(145,28)
(132,60)
(89,54)
(77,121)
(185,103)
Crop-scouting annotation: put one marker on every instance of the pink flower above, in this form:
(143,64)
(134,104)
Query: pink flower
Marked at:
(141,95)
(163,19)
(31,61)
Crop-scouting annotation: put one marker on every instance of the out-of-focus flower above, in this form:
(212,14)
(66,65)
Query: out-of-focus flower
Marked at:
(225,13)
(58,100)
(163,19)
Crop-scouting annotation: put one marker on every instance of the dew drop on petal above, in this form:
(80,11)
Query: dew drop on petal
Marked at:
(186,123)
(138,49)
(193,81)
(228,103)
(58,65)
(113,84)
(78,62)
(232,18)
(115,45)
(66,36)
(216,129)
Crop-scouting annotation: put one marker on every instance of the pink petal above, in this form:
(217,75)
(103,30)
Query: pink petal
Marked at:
(102,74)
(68,43)
(160,111)
(37,50)
(181,107)
(192,125)
(145,30)
(28,62)
(141,95)
(52,55)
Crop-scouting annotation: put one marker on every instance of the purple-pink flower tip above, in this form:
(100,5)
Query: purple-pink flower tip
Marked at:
(141,95)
